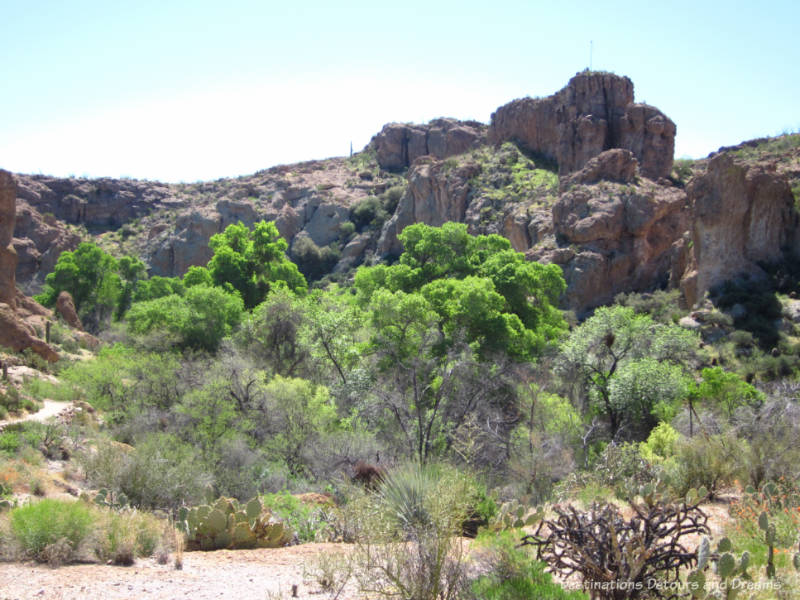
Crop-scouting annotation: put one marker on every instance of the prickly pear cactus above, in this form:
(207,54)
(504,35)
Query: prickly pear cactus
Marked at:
(227,524)
(513,515)
(727,566)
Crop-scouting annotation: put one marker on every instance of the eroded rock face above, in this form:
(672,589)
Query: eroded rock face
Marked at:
(15,332)
(400,144)
(8,256)
(436,194)
(743,214)
(593,113)
(39,240)
(613,237)
(611,165)
(97,203)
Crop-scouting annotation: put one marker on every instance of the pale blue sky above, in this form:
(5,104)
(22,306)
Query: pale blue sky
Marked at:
(195,90)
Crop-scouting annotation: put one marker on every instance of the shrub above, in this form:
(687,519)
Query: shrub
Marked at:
(313,261)
(618,556)
(160,473)
(407,540)
(51,530)
(369,212)
(660,444)
(306,521)
(705,461)
(122,536)
(515,575)
(623,468)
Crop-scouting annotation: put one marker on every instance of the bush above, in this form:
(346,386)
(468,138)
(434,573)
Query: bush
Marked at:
(51,530)
(515,575)
(160,473)
(368,213)
(712,462)
(198,320)
(127,534)
(623,468)
(609,551)
(312,261)
(407,536)
(306,521)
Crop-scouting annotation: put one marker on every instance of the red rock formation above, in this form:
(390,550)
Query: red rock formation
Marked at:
(742,214)
(65,306)
(400,144)
(593,113)
(436,194)
(15,333)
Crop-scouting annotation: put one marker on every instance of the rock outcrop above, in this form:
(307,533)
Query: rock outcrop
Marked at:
(593,113)
(742,214)
(8,256)
(400,144)
(39,240)
(99,204)
(437,193)
(614,237)
(65,307)
(611,165)
(15,332)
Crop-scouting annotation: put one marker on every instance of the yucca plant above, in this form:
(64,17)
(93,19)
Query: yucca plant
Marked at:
(406,493)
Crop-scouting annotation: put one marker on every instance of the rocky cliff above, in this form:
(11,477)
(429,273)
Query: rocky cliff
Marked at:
(582,178)
(400,144)
(593,113)
(19,316)
(743,215)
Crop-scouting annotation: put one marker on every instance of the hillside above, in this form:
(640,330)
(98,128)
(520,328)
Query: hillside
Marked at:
(583,179)
(542,333)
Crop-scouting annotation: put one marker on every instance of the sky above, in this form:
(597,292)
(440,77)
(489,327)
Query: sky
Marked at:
(176,90)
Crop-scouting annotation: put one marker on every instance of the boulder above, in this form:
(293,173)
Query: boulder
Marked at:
(593,113)
(18,335)
(65,306)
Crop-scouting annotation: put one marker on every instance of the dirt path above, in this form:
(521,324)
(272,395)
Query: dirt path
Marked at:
(51,408)
(238,574)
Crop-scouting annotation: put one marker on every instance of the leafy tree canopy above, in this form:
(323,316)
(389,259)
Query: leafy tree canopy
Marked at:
(475,285)
(199,319)
(91,276)
(629,363)
(252,262)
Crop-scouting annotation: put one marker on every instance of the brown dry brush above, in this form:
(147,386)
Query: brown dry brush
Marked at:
(618,558)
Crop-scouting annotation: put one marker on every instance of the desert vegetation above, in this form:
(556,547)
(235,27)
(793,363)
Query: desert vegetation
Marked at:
(234,408)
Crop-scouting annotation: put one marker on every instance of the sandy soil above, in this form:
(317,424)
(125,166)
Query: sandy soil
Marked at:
(50,409)
(239,574)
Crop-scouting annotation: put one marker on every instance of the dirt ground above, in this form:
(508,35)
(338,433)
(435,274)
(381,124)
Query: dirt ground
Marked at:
(239,574)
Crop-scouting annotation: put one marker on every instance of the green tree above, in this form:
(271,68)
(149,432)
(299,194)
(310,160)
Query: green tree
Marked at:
(158,287)
(615,339)
(332,330)
(727,390)
(200,319)
(90,275)
(197,276)
(429,396)
(271,334)
(252,262)
(475,284)
(295,413)
(131,272)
